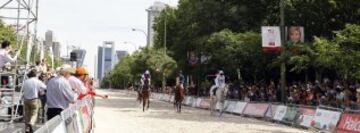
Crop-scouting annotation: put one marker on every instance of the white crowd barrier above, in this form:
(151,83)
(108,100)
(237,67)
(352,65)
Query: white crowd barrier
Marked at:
(308,117)
(78,118)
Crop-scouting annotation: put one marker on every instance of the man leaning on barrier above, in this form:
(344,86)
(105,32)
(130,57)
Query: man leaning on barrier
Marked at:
(33,87)
(59,92)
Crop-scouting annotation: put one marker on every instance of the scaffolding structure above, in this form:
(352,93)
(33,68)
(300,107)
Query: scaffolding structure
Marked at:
(22,15)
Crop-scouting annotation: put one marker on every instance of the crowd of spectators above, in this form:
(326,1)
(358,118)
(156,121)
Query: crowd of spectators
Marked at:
(338,94)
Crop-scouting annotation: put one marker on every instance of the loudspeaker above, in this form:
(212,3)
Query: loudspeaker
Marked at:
(73,56)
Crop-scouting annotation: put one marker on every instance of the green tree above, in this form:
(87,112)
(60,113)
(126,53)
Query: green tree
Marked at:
(130,68)
(348,61)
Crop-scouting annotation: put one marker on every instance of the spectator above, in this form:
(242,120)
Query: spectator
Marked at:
(59,93)
(44,66)
(82,74)
(5,56)
(76,83)
(32,88)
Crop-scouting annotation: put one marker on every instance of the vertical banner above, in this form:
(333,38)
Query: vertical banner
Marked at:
(295,34)
(86,119)
(325,119)
(71,125)
(79,122)
(271,38)
(349,123)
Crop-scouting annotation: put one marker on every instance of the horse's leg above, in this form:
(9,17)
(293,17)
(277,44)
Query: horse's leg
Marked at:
(180,106)
(144,104)
(148,102)
(221,110)
(211,105)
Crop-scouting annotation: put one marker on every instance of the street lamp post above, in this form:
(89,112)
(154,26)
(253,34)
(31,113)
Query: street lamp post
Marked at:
(142,31)
(283,65)
(133,44)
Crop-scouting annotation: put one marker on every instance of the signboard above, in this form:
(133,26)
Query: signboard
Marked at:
(172,98)
(205,103)
(290,115)
(239,107)
(280,113)
(198,102)
(230,106)
(256,109)
(306,115)
(271,38)
(325,119)
(349,123)
(271,111)
(188,101)
(194,102)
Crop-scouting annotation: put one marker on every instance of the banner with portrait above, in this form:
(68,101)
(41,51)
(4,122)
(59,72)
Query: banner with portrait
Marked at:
(271,38)
(295,34)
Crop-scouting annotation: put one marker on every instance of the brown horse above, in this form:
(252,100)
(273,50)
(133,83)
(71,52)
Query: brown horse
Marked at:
(145,94)
(179,97)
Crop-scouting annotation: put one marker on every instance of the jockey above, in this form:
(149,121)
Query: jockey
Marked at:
(145,76)
(219,82)
(180,79)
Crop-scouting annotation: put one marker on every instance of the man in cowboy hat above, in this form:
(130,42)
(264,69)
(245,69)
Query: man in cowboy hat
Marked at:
(59,92)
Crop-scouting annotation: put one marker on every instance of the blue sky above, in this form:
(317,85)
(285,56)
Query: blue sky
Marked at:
(87,23)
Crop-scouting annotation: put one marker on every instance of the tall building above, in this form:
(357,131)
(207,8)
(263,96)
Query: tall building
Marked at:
(49,38)
(153,12)
(50,45)
(56,48)
(106,59)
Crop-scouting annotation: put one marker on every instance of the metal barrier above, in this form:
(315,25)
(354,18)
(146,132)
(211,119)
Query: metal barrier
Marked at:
(320,118)
(75,119)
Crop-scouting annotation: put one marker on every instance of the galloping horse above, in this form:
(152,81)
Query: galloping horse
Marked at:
(145,94)
(219,97)
(179,97)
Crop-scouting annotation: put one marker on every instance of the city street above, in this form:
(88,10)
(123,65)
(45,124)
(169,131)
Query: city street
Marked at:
(122,114)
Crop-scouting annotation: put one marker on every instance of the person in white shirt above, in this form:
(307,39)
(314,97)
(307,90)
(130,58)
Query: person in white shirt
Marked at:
(59,93)
(145,76)
(219,82)
(33,87)
(5,56)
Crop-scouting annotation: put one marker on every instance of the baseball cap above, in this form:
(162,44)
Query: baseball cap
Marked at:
(81,71)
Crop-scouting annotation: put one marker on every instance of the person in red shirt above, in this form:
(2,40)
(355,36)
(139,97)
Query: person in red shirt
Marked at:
(82,74)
